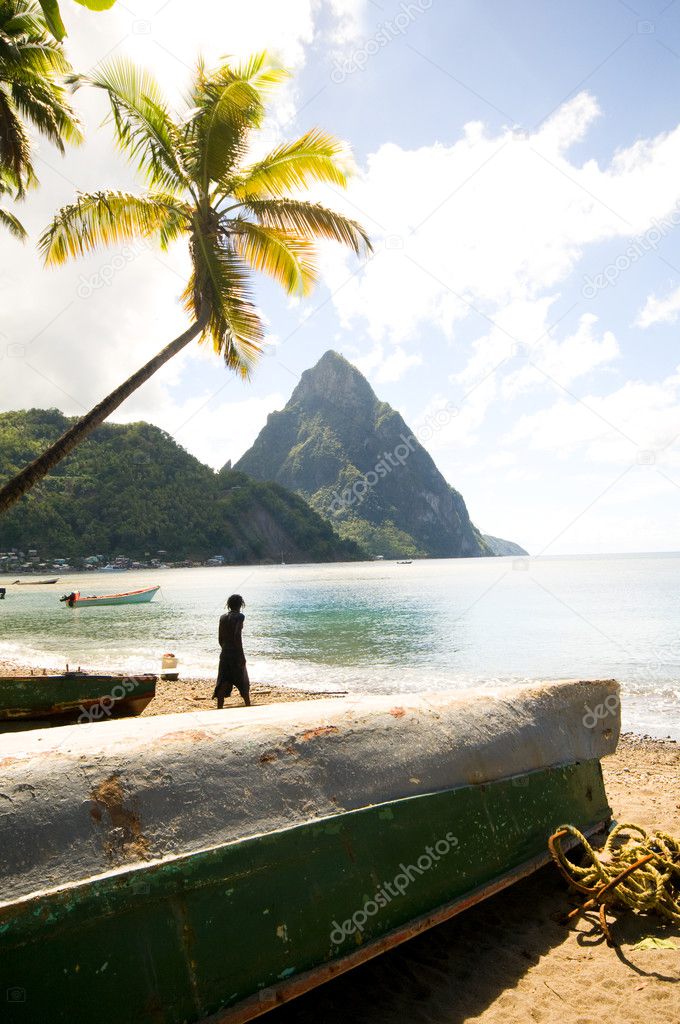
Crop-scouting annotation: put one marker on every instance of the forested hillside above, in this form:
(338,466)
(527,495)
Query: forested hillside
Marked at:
(132,490)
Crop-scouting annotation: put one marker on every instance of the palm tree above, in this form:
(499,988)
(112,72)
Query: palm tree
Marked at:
(32,92)
(237,215)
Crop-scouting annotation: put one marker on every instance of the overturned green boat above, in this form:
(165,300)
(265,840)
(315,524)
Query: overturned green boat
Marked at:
(76,696)
(173,868)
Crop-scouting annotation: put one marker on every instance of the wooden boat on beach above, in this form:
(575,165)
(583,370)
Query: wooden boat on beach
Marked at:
(73,695)
(75,600)
(221,863)
(35,583)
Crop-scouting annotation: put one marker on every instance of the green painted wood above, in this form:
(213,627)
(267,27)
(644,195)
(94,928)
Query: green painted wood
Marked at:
(44,696)
(177,940)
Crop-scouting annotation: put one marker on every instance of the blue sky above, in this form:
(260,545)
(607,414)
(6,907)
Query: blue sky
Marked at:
(518,168)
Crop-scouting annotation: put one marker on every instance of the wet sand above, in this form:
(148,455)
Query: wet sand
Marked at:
(196,695)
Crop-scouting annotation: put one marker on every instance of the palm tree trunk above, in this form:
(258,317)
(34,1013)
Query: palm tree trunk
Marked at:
(40,467)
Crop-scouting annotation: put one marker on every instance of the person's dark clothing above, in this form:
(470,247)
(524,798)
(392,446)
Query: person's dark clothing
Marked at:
(232,670)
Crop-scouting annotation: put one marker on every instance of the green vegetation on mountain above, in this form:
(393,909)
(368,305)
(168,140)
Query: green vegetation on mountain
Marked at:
(131,490)
(504,547)
(356,462)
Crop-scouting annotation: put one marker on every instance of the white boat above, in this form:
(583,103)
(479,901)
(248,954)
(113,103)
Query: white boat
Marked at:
(74,600)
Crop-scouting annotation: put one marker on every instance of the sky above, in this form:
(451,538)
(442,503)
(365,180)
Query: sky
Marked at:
(518,169)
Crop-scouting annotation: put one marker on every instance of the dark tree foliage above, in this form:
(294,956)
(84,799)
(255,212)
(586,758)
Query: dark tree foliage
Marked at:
(132,490)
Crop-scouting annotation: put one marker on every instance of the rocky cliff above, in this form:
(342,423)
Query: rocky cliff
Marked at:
(355,460)
(503,547)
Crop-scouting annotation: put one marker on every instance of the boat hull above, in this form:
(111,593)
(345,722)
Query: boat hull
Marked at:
(135,597)
(237,928)
(73,696)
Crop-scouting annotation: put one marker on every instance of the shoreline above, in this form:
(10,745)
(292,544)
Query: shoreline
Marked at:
(193,693)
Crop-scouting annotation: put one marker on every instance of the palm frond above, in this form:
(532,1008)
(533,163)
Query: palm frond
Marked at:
(15,148)
(220,282)
(105,218)
(315,157)
(53,18)
(311,220)
(48,112)
(32,67)
(13,225)
(227,105)
(52,13)
(285,257)
(145,131)
(30,58)
(22,20)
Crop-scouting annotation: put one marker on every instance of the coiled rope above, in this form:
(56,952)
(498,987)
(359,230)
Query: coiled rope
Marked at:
(641,872)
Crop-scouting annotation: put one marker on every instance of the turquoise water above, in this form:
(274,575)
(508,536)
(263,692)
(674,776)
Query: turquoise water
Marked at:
(379,626)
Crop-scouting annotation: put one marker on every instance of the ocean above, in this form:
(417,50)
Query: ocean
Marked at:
(383,627)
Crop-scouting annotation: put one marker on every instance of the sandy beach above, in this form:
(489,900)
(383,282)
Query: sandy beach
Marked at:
(511,959)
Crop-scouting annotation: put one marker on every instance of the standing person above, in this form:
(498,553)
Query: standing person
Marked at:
(232,671)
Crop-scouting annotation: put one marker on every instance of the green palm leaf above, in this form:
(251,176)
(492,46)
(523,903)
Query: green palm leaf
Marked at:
(311,220)
(53,15)
(105,218)
(285,257)
(14,226)
(143,125)
(221,282)
(32,92)
(228,104)
(47,113)
(315,157)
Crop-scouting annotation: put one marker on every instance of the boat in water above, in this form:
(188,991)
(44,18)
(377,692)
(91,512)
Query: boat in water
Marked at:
(35,583)
(73,695)
(74,600)
(308,837)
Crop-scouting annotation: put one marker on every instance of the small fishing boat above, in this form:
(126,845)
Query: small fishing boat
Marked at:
(406,562)
(75,600)
(35,583)
(74,695)
(347,826)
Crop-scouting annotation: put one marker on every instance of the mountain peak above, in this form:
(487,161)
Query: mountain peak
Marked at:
(333,379)
(354,459)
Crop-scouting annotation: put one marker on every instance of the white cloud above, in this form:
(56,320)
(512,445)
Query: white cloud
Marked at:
(496,220)
(660,311)
(385,369)
(563,361)
(637,423)
(214,430)
(349,24)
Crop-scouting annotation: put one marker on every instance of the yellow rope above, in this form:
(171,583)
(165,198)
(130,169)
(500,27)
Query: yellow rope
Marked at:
(640,871)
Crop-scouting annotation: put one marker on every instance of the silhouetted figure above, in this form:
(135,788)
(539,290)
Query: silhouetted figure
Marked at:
(232,671)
